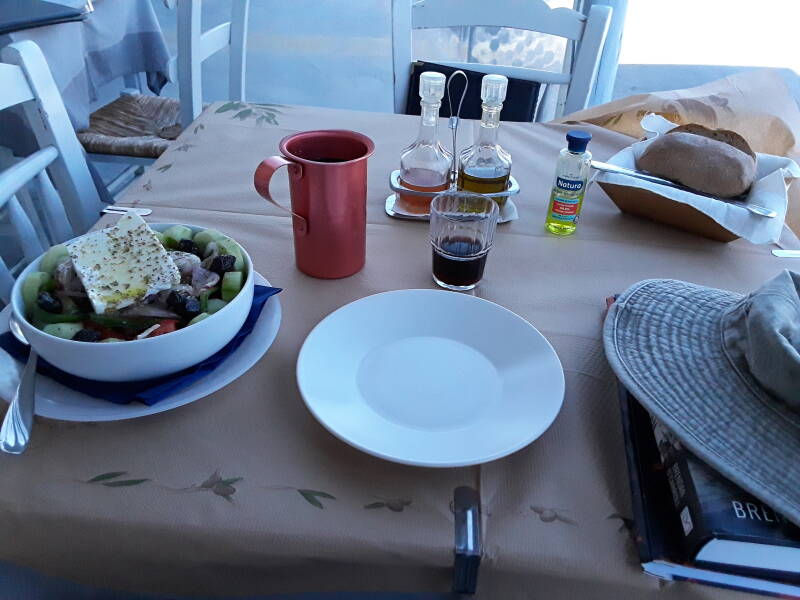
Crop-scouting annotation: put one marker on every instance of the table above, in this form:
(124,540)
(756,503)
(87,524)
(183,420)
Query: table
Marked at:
(554,513)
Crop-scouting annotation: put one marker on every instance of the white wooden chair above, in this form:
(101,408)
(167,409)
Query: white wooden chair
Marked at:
(196,45)
(137,129)
(588,33)
(38,215)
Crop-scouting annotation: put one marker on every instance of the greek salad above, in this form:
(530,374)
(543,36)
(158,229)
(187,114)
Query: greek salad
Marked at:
(129,282)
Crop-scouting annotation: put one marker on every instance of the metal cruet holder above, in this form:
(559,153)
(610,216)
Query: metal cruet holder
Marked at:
(391,206)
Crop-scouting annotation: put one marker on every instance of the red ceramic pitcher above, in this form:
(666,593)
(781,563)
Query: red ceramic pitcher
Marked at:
(328,185)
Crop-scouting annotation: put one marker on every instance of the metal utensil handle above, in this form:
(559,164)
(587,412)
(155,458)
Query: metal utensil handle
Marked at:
(468,545)
(16,430)
(454,120)
(609,168)
(122,210)
(757,209)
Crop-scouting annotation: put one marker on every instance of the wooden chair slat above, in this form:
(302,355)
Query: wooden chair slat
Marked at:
(55,216)
(50,195)
(32,248)
(6,282)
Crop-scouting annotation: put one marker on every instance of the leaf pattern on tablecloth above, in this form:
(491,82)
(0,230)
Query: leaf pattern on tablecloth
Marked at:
(392,504)
(217,485)
(550,515)
(262,113)
(313,497)
(111,479)
(164,168)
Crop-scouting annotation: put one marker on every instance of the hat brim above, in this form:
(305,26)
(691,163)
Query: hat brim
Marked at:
(664,340)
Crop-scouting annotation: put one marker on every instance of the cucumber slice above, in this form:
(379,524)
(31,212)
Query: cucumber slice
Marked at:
(198,318)
(175,234)
(202,238)
(110,340)
(231,284)
(161,239)
(42,316)
(228,246)
(63,330)
(215,305)
(34,283)
(53,257)
(204,298)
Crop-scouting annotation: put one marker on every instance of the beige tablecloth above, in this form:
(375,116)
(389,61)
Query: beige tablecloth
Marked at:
(554,512)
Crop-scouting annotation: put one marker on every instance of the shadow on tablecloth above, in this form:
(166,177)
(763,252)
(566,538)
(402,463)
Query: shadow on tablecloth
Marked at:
(21,582)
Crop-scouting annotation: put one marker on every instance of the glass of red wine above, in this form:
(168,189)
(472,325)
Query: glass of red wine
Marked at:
(462,231)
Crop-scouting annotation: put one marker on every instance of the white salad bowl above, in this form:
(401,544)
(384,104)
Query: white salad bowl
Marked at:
(140,359)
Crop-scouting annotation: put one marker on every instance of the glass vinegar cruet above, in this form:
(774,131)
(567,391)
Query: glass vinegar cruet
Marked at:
(425,164)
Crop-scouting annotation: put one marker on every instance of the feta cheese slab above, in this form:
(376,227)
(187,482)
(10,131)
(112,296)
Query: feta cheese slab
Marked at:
(122,264)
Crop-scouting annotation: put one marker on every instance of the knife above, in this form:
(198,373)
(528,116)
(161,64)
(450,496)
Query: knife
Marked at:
(787,253)
(754,208)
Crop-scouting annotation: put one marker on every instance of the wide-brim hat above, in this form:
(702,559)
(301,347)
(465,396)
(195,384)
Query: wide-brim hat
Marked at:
(722,371)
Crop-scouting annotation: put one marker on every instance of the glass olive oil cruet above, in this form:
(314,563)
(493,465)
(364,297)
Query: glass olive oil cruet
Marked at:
(485,167)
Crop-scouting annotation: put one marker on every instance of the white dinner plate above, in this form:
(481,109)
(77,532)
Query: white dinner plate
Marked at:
(430,378)
(56,401)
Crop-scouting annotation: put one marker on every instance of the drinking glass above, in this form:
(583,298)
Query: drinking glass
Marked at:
(462,231)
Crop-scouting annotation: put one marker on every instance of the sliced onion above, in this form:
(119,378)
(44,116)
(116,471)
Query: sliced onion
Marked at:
(203,279)
(67,278)
(212,250)
(148,310)
(148,331)
(185,261)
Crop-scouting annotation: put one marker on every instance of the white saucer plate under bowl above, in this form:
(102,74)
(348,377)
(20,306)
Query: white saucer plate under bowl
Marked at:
(430,378)
(56,401)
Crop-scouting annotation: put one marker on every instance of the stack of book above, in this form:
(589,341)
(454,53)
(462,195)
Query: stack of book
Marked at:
(693,524)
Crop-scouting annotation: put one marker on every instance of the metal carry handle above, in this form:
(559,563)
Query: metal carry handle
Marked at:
(263,176)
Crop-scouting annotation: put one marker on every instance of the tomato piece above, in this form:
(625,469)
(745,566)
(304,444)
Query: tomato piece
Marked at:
(165,326)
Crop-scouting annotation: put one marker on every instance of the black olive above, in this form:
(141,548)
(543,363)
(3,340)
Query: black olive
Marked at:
(175,298)
(222,264)
(49,303)
(184,304)
(87,335)
(191,307)
(189,246)
(83,304)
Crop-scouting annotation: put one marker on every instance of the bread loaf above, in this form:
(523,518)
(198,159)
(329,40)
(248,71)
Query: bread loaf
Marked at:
(712,161)
(721,135)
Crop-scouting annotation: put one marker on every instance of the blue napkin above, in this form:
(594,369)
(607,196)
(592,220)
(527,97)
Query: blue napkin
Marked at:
(148,391)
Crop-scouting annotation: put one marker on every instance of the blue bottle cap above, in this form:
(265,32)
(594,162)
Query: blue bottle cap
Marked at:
(578,140)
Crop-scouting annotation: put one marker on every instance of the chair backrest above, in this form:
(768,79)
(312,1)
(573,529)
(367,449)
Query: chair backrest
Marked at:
(25,80)
(588,33)
(37,217)
(196,45)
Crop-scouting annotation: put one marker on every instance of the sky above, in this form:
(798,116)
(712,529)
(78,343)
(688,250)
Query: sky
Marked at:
(763,33)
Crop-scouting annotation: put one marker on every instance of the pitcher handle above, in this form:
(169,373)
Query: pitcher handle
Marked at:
(261,179)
